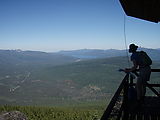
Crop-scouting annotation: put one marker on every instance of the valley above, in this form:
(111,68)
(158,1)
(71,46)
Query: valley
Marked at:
(60,82)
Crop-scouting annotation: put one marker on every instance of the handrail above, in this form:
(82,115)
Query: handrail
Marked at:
(152,70)
(155,70)
(114,99)
(150,86)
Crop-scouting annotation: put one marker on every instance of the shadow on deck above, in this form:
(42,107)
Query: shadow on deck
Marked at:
(121,107)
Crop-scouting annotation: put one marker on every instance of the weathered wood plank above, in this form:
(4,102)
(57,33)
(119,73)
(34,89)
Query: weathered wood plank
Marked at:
(146,116)
(153,117)
(139,116)
(132,116)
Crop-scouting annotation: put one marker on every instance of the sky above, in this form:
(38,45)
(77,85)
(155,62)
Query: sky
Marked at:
(54,25)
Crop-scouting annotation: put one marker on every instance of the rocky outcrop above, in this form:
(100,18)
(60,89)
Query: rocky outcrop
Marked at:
(13,115)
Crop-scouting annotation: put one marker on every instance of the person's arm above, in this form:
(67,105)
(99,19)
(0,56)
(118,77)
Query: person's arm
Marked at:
(133,68)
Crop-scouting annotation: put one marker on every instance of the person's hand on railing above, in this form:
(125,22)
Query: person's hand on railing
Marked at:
(127,70)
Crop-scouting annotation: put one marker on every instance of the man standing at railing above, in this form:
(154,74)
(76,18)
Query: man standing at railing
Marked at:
(142,62)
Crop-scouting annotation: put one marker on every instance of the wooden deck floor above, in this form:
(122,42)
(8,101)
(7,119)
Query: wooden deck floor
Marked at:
(148,110)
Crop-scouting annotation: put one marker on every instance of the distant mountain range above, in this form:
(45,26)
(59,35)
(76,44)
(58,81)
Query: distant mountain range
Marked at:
(13,56)
(19,57)
(97,53)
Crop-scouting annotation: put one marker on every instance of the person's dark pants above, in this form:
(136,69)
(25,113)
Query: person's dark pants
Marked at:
(144,76)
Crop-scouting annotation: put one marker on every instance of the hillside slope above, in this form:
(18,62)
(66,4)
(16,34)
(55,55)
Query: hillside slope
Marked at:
(85,80)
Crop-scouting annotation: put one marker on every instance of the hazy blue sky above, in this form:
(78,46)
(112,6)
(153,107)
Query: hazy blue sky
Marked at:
(52,25)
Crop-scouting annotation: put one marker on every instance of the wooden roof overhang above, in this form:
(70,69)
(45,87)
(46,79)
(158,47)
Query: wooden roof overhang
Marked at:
(144,9)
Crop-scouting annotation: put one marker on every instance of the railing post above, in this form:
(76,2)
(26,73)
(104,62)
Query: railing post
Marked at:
(125,100)
(131,80)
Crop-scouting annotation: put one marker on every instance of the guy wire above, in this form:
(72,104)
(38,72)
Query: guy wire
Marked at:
(125,39)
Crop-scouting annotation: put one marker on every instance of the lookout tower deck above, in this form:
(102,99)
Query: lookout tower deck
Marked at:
(148,110)
(121,107)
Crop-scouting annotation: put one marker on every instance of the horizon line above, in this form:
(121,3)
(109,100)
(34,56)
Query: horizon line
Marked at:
(49,51)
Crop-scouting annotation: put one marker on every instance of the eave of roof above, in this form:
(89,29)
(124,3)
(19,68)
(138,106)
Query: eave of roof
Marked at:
(144,9)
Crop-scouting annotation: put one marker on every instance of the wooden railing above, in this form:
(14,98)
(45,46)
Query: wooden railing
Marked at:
(109,109)
(118,106)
